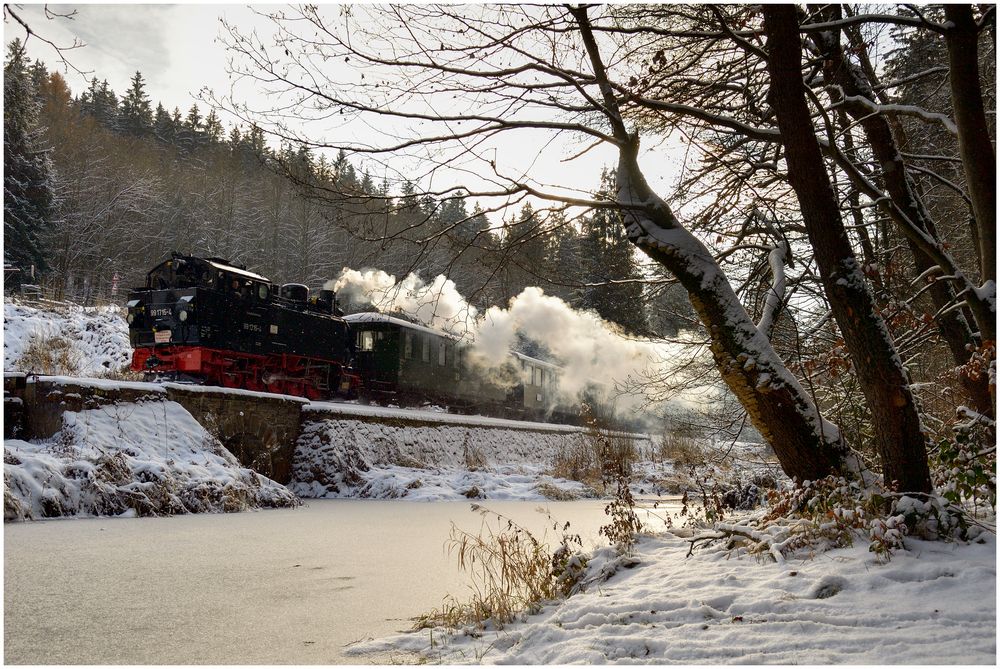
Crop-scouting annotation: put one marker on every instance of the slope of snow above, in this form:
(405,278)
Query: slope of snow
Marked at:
(352,458)
(934,603)
(95,338)
(147,458)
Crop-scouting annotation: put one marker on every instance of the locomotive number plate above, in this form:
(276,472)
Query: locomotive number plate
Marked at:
(161,336)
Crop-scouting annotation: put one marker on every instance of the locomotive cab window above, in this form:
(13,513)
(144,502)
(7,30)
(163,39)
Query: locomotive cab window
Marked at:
(366,340)
(262,291)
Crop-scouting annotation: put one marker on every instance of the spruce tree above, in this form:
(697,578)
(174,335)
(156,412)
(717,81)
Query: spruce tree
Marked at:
(164,128)
(101,102)
(28,191)
(136,113)
(213,126)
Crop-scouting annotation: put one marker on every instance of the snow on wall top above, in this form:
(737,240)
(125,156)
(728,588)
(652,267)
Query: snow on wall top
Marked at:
(440,417)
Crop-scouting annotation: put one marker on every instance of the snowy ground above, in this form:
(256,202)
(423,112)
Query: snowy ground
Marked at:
(934,603)
(351,458)
(65,339)
(150,458)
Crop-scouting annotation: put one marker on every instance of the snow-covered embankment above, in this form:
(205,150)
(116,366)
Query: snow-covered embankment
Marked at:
(145,458)
(439,460)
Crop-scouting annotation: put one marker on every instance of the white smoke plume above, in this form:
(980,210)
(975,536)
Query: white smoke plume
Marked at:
(588,348)
(437,304)
(592,353)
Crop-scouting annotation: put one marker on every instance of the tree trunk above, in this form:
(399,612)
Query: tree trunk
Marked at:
(974,143)
(785,415)
(807,446)
(951,323)
(898,435)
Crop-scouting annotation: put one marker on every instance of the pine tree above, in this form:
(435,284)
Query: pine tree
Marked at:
(136,114)
(28,201)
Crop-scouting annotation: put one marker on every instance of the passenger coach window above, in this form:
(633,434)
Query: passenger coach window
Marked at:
(408,345)
(442,347)
(426,356)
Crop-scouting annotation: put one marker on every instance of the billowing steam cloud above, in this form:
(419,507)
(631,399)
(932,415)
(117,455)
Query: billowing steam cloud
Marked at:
(588,349)
(436,304)
(586,346)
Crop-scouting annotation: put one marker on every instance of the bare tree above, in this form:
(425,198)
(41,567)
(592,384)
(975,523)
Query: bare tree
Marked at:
(899,435)
(522,70)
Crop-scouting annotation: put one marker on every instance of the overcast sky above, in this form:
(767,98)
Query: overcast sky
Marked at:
(174,46)
(178,51)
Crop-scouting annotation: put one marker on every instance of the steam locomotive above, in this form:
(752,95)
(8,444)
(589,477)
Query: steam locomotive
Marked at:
(206,320)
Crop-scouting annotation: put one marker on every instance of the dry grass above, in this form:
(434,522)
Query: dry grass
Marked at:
(50,355)
(511,571)
(558,494)
(597,460)
(682,451)
(56,355)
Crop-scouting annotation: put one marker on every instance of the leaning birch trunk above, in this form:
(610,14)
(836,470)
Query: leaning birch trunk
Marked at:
(807,446)
(900,440)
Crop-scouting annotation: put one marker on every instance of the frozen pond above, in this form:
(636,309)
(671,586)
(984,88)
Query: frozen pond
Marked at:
(270,587)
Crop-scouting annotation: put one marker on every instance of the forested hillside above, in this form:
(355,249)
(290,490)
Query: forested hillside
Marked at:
(127,181)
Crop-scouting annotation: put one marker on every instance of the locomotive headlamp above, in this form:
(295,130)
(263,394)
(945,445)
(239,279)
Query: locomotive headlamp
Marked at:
(183,316)
(130,318)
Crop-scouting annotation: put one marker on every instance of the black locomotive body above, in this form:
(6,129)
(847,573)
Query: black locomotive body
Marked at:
(208,320)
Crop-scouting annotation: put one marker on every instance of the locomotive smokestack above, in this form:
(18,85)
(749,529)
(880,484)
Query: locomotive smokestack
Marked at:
(329,297)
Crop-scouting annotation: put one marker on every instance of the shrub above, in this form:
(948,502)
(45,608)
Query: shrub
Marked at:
(964,467)
(624,523)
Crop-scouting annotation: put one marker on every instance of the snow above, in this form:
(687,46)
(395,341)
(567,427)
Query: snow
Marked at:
(908,110)
(933,603)
(351,458)
(146,458)
(95,338)
(106,384)
(219,390)
(434,416)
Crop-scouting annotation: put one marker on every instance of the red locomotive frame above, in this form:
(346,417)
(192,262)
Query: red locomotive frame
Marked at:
(287,374)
